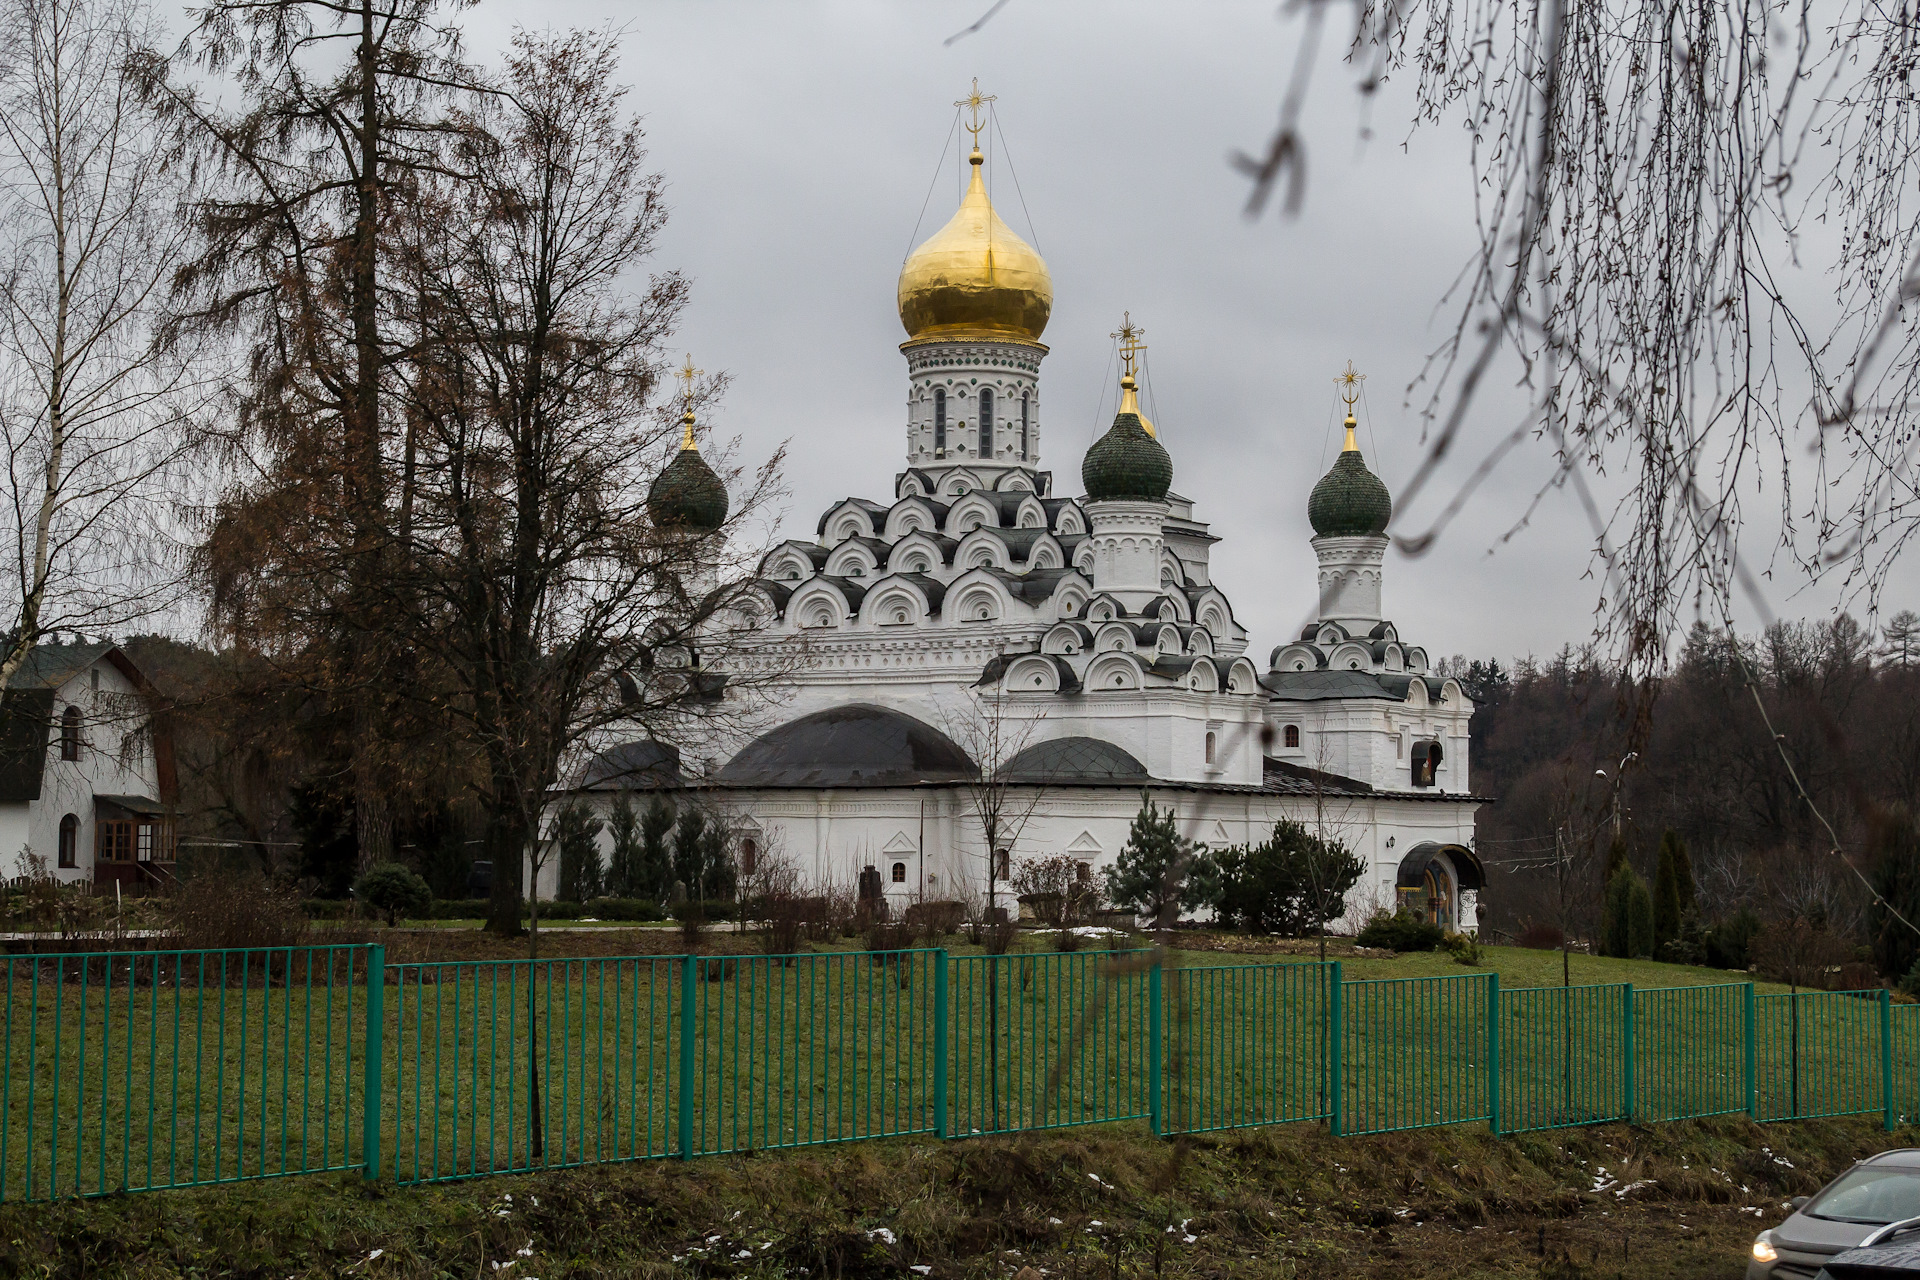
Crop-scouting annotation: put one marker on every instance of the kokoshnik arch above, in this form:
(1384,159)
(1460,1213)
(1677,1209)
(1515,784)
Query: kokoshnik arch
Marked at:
(1088,627)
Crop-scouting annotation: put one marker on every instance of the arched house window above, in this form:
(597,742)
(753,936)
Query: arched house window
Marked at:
(1024,451)
(899,873)
(70,734)
(1210,742)
(986,423)
(939,422)
(70,841)
(1292,737)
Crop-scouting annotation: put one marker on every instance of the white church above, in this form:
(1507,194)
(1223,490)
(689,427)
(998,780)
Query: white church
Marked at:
(1081,638)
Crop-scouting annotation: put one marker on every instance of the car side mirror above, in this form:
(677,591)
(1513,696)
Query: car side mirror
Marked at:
(1797,1203)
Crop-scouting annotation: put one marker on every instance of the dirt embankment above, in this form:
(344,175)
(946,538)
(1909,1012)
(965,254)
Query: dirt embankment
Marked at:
(1679,1200)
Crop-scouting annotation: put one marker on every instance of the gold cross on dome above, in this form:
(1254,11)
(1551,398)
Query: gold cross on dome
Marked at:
(973,102)
(1129,335)
(1350,384)
(687,373)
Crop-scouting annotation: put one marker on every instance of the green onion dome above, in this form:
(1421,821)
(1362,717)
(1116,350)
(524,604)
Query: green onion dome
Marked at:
(688,496)
(1128,461)
(1350,501)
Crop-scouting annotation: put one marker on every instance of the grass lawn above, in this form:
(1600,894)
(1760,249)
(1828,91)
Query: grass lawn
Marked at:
(1681,1202)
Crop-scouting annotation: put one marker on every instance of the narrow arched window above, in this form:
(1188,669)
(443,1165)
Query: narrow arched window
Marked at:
(70,734)
(749,856)
(1023,427)
(1209,748)
(1426,763)
(69,841)
(986,424)
(1293,737)
(899,873)
(939,423)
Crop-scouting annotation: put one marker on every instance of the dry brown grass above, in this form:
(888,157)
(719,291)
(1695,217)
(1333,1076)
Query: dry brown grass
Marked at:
(1091,1204)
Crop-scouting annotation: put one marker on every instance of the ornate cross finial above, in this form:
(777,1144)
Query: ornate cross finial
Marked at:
(973,102)
(1350,384)
(687,373)
(1129,335)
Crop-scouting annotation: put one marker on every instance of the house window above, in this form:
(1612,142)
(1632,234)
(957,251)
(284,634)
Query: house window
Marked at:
(70,734)
(899,873)
(1002,863)
(1426,763)
(1023,426)
(1209,748)
(749,856)
(147,839)
(69,841)
(986,424)
(940,424)
(1293,737)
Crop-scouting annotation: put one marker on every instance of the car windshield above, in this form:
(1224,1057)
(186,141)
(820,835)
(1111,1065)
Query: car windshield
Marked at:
(1873,1194)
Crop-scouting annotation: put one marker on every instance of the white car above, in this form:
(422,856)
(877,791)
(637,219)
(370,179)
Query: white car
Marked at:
(1877,1191)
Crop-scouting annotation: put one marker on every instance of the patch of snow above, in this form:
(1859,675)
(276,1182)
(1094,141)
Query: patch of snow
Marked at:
(883,1235)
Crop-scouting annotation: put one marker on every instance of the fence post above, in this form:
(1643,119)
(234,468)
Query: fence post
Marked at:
(1886,1053)
(1626,1051)
(686,1057)
(1493,1053)
(940,1042)
(376,1033)
(1156,1047)
(1753,1056)
(1336,1075)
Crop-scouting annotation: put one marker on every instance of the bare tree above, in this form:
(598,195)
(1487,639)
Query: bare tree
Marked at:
(557,609)
(1003,802)
(93,415)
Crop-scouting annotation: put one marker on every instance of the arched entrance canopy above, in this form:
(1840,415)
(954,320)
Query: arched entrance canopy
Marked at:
(1466,866)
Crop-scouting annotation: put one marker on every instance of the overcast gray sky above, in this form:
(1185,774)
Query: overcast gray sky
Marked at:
(799,141)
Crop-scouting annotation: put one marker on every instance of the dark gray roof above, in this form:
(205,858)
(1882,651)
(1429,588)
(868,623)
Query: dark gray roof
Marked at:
(873,510)
(857,745)
(48,666)
(27,713)
(26,721)
(1297,780)
(1398,682)
(1034,585)
(1319,686)
(1075,760)
(642,763)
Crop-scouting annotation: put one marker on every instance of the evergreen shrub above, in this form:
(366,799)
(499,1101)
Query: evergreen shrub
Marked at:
(1399,931)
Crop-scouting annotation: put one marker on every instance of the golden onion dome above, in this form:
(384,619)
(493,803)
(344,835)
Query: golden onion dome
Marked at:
(975,277)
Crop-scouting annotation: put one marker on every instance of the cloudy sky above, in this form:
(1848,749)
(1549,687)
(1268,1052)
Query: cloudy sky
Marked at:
(800,141)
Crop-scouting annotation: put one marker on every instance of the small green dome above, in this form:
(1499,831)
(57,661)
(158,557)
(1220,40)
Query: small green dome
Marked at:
(1127,462)
(688,496)
(1350,501)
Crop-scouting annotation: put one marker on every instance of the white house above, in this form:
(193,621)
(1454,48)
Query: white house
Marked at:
(86,768)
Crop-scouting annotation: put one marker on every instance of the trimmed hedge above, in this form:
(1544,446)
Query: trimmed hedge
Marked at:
(635,909)
(710,909)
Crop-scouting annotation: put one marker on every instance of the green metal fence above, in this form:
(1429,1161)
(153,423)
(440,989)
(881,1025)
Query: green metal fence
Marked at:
(1903,1095)
(1561,1054)
(1042,1041)
(1415,1052)
(1249,1046)
(517,1064)
(1809,1054)
(132,1071)
(1690,1054)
